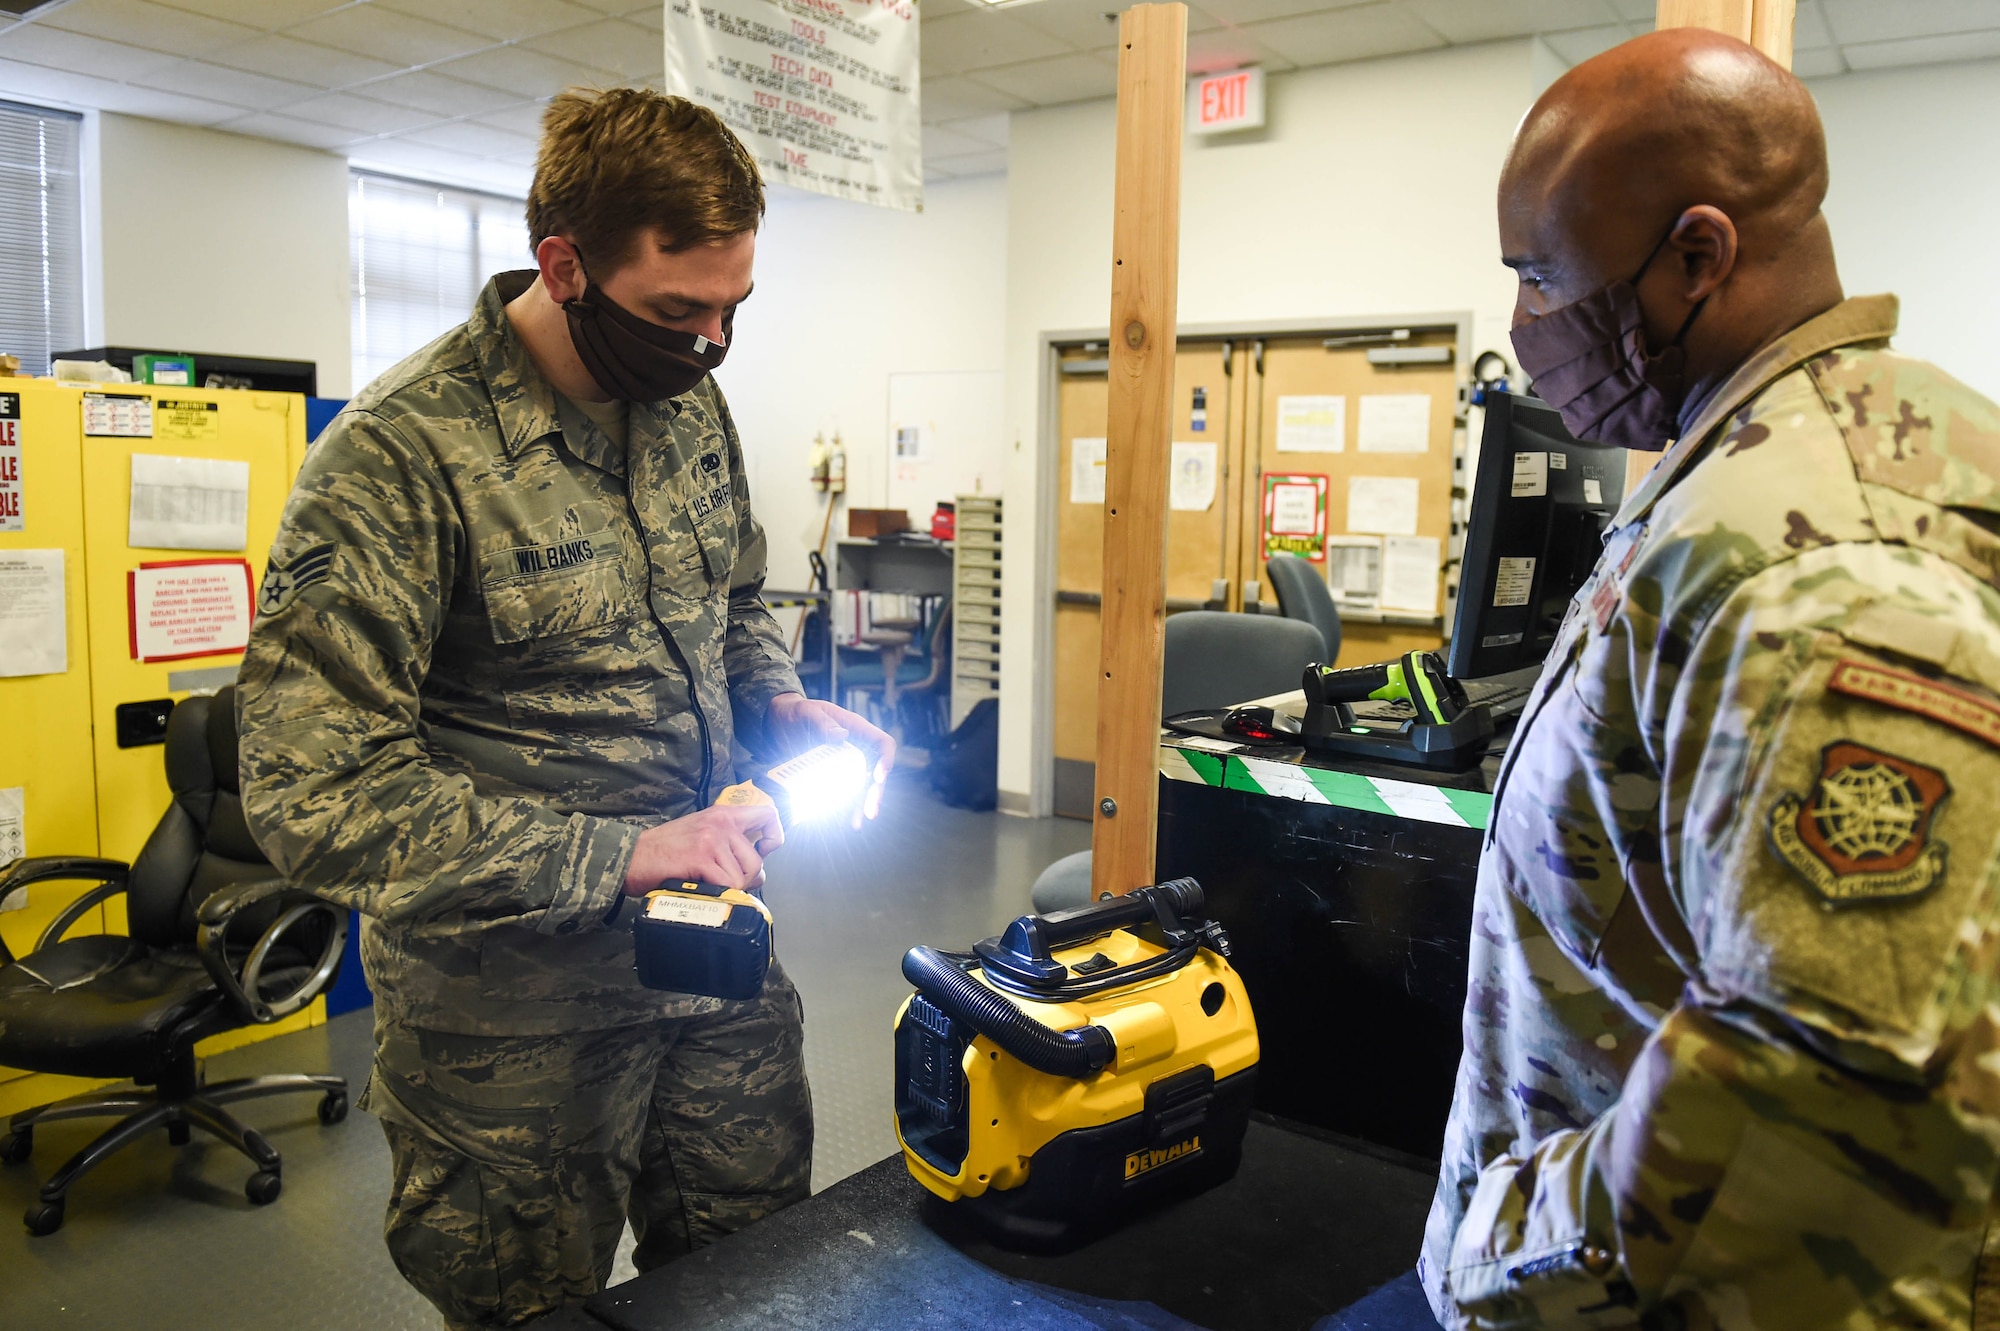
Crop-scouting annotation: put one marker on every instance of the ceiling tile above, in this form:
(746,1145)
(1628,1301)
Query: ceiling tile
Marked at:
(990,131)
(525,118)
(269,15)
(1579,45)
(525,73)
(1067,78)
(977,41)
(386,35)
(1809,30)
(610,44)
(1874,21)
(941,142)
(362,114)
(301,62)
(132,101)
(502,20)
(1484,21)
(1080,24)
(1239,12)
(40,83)
(199,79)
(39,44)
(440,95)
(468,136)
(1922,50)
(289,129)
(1636,11)
(653,16)
(1818,64)
(1230,48)
(441,165)
(137,23)
(952,98)
(1362,33)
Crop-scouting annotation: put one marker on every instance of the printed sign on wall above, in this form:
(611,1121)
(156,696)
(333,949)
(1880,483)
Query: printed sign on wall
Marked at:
(822,92)
(1295,516)
(189,607)
(11,518)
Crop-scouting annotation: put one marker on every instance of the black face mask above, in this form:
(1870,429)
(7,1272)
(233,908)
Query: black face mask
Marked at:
(633,359)
(1590,362)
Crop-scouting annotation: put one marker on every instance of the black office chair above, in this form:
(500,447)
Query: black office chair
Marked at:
(216,941)
(1212,659)
(1303,594)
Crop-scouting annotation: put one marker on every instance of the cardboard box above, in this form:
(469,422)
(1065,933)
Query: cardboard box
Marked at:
(870,523)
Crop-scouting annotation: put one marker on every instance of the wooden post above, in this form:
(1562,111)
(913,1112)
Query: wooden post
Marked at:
(1766,25)
(1145,276)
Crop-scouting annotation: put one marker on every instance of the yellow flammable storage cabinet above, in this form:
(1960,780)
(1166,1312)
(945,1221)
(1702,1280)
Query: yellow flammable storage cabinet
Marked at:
(173,496)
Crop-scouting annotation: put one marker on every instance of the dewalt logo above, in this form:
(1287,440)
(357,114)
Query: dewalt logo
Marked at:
(1140,1162)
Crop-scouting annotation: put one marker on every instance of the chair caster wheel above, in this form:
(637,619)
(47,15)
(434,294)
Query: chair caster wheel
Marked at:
(17,1145)
(263,1187)
(44,1218)
(332,1107)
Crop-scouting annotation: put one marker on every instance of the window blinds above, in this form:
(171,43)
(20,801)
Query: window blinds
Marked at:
(418,256)
(41,234)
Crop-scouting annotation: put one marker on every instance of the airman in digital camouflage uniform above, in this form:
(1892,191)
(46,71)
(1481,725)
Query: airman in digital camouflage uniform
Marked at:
(510,639)
(1733,1030)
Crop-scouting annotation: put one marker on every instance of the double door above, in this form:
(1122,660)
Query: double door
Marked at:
(1246,410)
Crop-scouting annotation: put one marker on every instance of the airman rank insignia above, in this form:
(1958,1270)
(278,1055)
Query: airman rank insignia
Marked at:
(283,580)
(1863,833)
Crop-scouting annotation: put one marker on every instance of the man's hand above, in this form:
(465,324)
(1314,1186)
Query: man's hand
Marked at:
(725,845)
(798,723)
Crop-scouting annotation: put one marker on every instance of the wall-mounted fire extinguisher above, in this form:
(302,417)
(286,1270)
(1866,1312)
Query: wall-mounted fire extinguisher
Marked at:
(836,466)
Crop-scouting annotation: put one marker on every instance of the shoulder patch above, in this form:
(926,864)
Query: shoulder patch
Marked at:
(1863,832)
(1954,707)
(285,579)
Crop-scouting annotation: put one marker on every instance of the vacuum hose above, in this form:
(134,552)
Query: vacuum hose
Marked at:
(1078,1053)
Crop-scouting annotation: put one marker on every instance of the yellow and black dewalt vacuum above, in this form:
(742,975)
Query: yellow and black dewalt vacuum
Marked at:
(1079,1066)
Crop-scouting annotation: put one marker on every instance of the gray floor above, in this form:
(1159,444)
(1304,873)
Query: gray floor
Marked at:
(163,1238)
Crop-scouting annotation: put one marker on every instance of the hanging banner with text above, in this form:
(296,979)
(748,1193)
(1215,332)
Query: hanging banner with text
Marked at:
(822,92)
(193,607)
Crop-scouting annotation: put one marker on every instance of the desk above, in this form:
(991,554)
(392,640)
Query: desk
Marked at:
(1308,1226)
(1346,887)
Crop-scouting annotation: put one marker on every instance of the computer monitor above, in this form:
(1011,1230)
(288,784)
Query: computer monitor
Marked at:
(1540,504)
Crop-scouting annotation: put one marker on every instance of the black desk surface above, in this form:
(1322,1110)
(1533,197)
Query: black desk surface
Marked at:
(1306,1228)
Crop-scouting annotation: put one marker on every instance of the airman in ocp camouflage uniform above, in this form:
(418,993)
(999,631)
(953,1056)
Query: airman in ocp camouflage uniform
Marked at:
(502,656)
(1733,1024)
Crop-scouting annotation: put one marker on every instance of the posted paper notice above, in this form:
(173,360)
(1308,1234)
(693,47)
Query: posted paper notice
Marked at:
(196,607)
(1354,568)
(34,621)
(189,503)
(1312,424)
(1086,471)
(1395,423)
(1384,505)
(1410,574)
(1193,486)
(14,835)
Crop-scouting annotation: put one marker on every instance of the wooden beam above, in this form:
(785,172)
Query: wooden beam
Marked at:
(1145,276)
(1765,24)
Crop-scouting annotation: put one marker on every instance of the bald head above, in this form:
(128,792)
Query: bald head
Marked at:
(1687,135)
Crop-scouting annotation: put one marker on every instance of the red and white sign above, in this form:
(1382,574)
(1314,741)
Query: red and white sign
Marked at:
(10,463)
(1219,103)
(189,607)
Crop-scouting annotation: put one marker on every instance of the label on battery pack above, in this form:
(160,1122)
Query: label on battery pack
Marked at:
(677,909)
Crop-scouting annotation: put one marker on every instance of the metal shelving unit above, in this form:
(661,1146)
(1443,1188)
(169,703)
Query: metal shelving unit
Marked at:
(975,575)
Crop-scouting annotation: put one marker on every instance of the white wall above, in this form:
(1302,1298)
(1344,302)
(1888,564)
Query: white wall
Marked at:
(221,243)
(846,296)
(1370,192)
(1914,196)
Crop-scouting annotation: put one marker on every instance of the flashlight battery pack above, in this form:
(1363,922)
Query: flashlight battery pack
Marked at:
(696,938)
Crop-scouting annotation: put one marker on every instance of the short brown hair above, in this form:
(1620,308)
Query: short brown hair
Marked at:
(613,163)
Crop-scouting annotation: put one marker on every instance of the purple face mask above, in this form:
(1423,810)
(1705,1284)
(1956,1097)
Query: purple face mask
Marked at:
(1589,361)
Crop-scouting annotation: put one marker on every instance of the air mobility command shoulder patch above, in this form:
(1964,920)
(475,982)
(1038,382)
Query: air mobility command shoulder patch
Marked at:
(1863,833)
(286,578)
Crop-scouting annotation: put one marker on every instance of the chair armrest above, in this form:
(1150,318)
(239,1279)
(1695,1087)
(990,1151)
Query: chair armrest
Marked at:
(112,875)
(242,988)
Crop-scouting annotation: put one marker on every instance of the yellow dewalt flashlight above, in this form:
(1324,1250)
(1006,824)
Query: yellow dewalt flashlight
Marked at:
(698,938)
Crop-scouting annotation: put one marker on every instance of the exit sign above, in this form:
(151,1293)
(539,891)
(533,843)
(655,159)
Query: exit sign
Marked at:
(1218,103)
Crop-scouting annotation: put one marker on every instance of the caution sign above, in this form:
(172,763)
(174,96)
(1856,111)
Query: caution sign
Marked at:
(187,420)
(193,607)
(1295,516)
(10,464)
